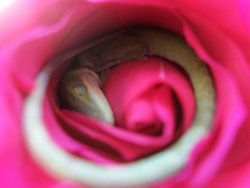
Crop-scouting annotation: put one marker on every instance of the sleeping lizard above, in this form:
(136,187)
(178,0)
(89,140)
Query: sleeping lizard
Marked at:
(138,44)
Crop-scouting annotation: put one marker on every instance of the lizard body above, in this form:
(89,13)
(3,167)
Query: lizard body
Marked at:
(162,164)
(137,44)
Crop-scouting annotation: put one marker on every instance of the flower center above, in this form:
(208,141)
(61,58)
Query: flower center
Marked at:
(144,99)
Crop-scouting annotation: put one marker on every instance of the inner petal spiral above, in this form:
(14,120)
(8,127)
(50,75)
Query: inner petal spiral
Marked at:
(151,104)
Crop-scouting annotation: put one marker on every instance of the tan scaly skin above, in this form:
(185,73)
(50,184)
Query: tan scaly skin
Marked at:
(80,91)
(137,44)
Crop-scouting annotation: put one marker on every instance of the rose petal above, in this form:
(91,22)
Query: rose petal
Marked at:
(219,62)
(148,12)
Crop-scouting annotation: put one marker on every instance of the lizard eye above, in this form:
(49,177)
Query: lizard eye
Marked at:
(80,90)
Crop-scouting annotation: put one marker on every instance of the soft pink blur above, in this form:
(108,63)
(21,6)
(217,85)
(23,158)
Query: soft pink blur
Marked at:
(32,32)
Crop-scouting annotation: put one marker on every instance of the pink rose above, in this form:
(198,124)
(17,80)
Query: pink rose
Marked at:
(33,33)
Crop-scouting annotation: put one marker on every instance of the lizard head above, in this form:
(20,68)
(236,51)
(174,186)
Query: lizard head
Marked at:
(80,91)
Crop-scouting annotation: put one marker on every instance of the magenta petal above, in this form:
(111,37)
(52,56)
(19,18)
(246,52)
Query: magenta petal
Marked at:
(213,148)
(231,111)
(139,113)
(142,113)
(164,107)
(138,78)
